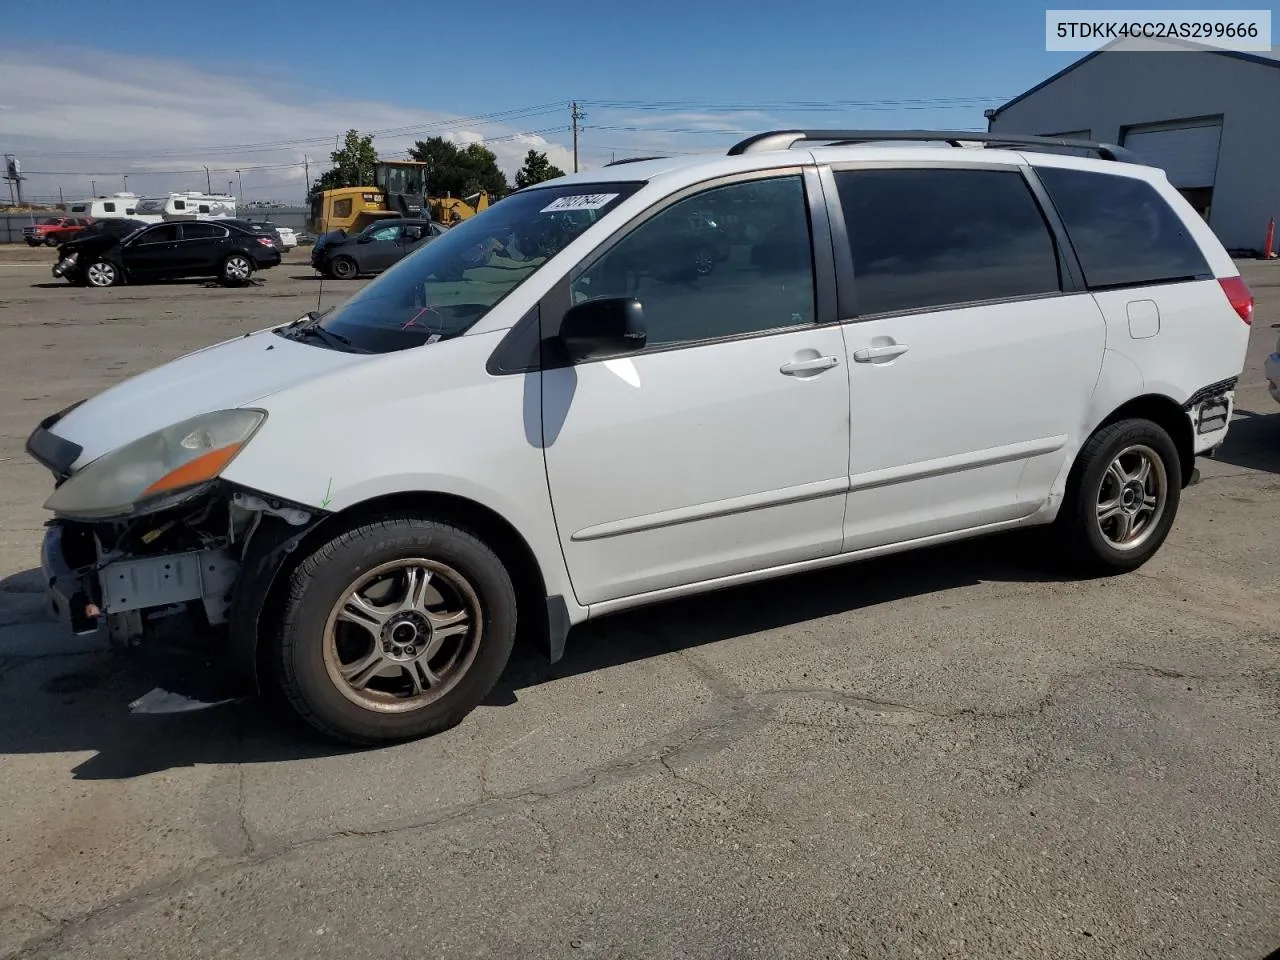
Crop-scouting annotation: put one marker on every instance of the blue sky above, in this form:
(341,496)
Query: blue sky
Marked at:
(172,80)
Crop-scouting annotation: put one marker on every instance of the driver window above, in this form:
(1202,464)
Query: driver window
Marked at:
(385,233)
(729,261)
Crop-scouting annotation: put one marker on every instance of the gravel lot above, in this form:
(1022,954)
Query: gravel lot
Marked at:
(945,754)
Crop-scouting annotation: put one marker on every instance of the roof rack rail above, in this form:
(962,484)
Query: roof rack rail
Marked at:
(615,163)
(786,139)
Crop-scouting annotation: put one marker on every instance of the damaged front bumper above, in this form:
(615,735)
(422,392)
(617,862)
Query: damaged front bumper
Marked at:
(178,578)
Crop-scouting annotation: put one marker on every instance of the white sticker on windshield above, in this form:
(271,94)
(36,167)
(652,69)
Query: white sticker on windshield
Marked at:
(585,201)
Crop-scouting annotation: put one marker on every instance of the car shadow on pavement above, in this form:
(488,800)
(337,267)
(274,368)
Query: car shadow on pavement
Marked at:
(1253,442)
(786,601)
(75,699)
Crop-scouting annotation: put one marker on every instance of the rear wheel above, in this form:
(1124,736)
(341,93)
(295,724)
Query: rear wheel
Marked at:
(236,270)
(50,241)
(394,630)
(102,274)
(1121,498)
(343,268)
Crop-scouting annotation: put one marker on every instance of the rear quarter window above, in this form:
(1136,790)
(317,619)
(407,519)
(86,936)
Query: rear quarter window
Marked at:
(1124,233)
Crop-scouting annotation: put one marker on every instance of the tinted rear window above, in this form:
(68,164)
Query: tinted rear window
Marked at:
(927,239)
(1123,231)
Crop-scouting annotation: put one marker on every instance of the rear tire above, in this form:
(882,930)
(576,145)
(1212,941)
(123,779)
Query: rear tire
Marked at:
(343,268)
(367,654)
(51,241)
(1122,497)
(236,271)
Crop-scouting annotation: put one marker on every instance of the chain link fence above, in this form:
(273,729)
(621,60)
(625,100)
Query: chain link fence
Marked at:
(11,224)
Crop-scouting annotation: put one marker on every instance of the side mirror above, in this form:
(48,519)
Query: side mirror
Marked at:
(603,327)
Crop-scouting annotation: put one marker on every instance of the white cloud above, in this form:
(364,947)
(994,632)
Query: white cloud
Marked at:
(78,115)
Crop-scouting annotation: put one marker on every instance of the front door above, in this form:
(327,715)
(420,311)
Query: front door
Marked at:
(973,355)
(154,252)
(382,250)
(722,447)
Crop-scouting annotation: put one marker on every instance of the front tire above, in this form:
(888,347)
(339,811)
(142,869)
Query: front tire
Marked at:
(1121,498)
(102,273)
(343,268)
(393,630)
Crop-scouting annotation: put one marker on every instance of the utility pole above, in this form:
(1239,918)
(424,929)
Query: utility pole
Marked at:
(61,203)
(576,113)
(306,172)
(126,182)
(93,187)
(241,179)
(208,180)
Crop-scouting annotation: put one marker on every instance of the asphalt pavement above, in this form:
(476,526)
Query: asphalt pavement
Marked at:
(953,753)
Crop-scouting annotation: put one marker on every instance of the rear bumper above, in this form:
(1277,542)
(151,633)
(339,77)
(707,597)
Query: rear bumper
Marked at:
(1210,410)
(1272,370)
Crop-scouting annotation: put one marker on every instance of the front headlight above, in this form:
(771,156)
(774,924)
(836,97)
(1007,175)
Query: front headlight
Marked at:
(158,470)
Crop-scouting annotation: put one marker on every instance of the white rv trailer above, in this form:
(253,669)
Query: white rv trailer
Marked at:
(192,205)
(105,208)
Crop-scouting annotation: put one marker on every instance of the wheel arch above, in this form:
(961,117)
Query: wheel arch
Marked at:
(1167,413)
(277,548)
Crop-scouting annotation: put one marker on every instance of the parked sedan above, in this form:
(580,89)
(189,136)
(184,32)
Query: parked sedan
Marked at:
(52,231)
(164,251)
(288,239)
(375,248)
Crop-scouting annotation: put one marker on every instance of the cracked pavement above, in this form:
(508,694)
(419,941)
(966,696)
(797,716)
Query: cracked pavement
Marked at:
(947,753)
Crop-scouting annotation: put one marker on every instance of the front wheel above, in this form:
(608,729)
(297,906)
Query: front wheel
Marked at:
(1121,498)
(51,241)
(236,270)
(394,630)
(343,268)
(102,274)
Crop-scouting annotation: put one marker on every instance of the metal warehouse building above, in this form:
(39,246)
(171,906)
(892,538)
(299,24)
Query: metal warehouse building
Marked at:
(1209,118)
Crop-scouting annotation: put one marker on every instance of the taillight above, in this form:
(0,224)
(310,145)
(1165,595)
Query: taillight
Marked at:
(1240,296)
(266,242)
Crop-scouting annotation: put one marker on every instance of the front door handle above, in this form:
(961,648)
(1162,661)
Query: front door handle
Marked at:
(886,352)
(816,365)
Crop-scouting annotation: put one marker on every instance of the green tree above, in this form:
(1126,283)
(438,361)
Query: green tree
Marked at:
(353,164)
(459,171)
(536,169)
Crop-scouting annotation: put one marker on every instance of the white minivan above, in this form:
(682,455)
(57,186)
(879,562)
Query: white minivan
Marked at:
(649,380)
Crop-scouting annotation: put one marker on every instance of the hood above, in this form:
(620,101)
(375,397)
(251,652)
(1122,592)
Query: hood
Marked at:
(95,242)
(234,373)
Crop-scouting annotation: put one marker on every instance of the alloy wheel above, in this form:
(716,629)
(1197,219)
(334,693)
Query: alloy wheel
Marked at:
(402,635)
(101,274)
(1132,497)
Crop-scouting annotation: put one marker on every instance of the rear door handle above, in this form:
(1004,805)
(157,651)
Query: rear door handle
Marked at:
(867,354)
(816,365)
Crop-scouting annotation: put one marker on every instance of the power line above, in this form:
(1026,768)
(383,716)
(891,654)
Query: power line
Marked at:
(268,166)
(707,105)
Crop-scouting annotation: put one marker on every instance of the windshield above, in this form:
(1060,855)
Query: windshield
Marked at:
(402,179)
(445,287)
